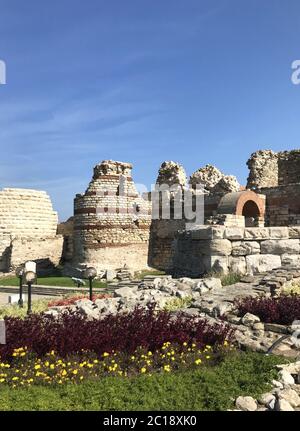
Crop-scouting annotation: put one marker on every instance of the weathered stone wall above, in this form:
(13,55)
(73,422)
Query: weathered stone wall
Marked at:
(163,231)
(46,252)
(277,176)
(214,181)
(5,252)
(288,167)
(27,213)
(282,205)
(263,166)
(28,228)
(270,169)
(66,229)
(241,250)
(109,218)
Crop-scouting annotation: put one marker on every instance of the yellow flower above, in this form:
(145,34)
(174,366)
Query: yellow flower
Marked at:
(207,357)
(143,370)
(198,361)
(167,368)
(225,343)
(15,378)
(64,373)
(105,354)
(75,372)
(2,380)
(149,353)
(37,367)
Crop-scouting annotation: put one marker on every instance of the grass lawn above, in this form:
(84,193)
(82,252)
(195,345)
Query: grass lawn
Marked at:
(50,281)
(139,275)
(211,388)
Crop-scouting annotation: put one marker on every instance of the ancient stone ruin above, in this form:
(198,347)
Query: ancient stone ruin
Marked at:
(28,228)
(111,220)
(248,229)
(277,176)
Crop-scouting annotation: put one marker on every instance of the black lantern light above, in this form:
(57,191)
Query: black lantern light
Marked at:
(19,274)
(90,273)
(30,277)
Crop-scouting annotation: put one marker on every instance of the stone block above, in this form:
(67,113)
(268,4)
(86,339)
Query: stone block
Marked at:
(280,246)
(217,264)
(294,232)
(234,233)
(110,275)
(255,233)
(220,247)
(290,259)
(243,248)
(208,232)
(237,265)
(278,232)
(262,263)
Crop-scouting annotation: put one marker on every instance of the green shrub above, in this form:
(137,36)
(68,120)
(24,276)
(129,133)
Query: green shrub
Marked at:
(178,303)
(139,275)
(293,289)
(226,279)
(230,278)
(15,311)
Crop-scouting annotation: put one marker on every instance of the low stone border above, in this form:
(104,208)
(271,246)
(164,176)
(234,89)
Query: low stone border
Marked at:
(284,396)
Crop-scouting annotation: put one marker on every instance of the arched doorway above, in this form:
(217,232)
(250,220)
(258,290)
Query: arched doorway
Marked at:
(251,213)
(244,203)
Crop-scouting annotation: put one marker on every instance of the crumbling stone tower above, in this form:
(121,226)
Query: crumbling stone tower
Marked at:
(111,220)
(277,176)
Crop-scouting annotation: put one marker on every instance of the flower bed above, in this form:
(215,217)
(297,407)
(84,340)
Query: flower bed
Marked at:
(26,368)
(72,299)
(72,332)
(43,349)
(282,310)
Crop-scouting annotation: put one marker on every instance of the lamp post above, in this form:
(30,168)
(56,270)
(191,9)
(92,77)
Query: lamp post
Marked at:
(90,273)
(30,277)
(19,274)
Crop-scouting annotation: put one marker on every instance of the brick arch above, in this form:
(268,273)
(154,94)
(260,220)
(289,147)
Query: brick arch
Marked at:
(239,202)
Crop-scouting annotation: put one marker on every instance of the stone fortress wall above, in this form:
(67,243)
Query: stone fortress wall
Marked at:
(112,224)
(216,186)
(242,250)
(273,193)
(28,227)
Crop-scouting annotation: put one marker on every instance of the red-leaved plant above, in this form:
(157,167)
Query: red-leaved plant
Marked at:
(282,310)
(72,333)
(72,299)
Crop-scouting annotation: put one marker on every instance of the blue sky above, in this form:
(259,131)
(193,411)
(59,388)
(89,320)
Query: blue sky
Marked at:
(195,81)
